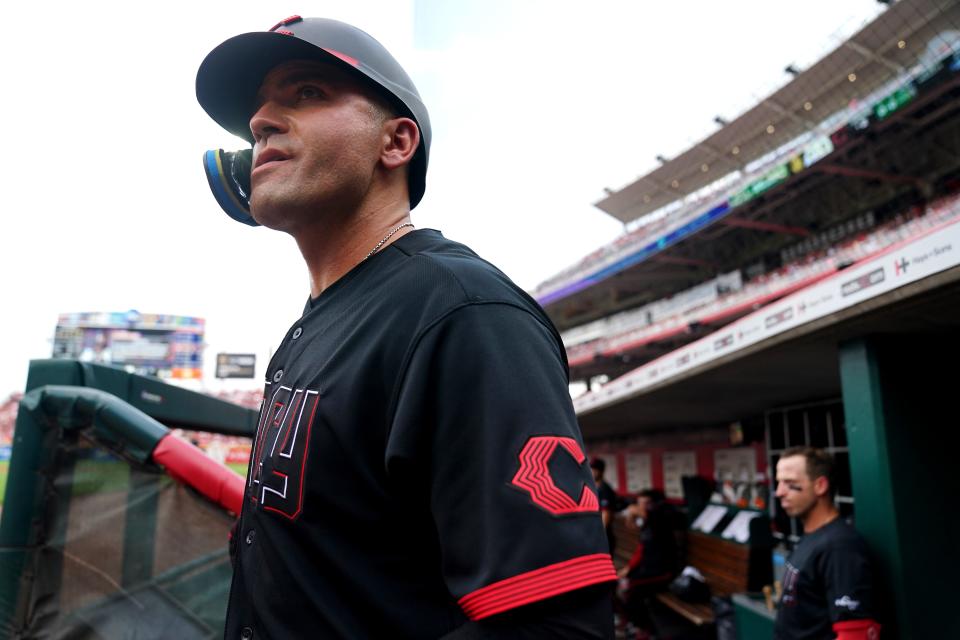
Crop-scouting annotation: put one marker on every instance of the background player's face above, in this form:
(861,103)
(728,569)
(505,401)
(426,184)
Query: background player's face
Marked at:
(643,506)
(317,141)
(795,489)
(597,475)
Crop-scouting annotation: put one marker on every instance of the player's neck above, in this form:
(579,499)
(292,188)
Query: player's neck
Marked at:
(822,513)
(335,247)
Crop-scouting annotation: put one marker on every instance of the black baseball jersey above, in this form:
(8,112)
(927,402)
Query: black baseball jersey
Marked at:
(607,496)
(417,463)
(608,502)
(827,581)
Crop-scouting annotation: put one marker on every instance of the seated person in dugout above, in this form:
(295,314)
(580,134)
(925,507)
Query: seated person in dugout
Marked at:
(655,560)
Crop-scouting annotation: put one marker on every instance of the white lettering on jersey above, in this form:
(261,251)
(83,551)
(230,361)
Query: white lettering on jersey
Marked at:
(280,453)
(847,602)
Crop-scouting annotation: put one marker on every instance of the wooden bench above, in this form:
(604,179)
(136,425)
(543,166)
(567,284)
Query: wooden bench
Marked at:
(727,566)
(626,537)
(724,564)
(699,614)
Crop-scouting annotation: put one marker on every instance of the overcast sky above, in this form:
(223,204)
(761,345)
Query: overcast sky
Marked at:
(536,107)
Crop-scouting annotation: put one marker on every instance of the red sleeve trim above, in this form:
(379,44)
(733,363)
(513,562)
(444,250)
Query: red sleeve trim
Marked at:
(189,464)
(865,629)
(538,584)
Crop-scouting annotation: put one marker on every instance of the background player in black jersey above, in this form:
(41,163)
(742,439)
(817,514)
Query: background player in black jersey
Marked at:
(827,590)
(609,500)
(417,470)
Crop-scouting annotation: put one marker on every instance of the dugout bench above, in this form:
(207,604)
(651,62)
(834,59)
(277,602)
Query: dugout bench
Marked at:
(729,567)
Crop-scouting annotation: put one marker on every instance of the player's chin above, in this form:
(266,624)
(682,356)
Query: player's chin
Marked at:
(269,210)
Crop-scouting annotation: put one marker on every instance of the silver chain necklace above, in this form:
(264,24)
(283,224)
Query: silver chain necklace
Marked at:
(385,238)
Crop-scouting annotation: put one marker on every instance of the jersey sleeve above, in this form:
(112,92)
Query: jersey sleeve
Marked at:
(608,498)
(484,410)
(847,581)
(584,614)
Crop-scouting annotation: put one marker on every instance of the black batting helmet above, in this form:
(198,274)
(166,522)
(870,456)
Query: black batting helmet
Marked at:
(230,76)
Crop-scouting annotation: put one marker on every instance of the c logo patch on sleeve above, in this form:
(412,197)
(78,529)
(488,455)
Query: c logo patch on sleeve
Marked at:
(534,477)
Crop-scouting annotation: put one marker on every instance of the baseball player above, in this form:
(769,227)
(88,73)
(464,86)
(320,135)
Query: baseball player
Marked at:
(827,591)
(609,500)
(417,471)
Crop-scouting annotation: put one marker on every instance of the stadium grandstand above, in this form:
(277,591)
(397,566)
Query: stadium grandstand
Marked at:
(792,279)
(231,450)
(8,414)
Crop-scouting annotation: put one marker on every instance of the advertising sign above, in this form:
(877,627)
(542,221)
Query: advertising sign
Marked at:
(236,365)
(932,252)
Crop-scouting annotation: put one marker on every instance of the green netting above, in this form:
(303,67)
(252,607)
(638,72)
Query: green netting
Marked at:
(130,553)
(118,549)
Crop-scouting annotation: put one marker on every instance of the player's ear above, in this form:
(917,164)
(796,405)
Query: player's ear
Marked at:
(821,486)
(401,137)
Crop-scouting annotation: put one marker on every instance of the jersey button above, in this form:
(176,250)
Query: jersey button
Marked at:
(278,375)
(250,537)
(246,633)
(297,332)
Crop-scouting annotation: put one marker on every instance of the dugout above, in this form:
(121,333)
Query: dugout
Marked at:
(112,527)
(842,230)
(889,362)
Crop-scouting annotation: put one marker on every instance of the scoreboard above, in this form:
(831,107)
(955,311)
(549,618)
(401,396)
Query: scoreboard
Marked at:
(162,345)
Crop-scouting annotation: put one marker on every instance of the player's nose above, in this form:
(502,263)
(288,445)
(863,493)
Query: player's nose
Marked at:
(266,121)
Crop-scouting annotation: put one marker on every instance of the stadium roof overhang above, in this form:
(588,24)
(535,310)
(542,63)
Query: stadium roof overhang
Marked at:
(896,162)
(796,366)
(886,47)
